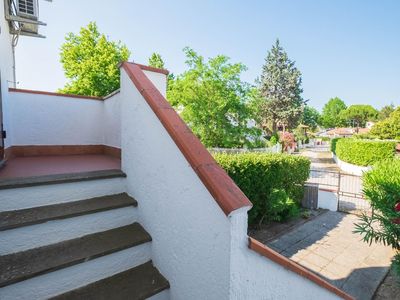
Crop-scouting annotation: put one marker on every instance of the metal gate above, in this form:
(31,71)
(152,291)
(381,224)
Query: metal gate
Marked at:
(348,188)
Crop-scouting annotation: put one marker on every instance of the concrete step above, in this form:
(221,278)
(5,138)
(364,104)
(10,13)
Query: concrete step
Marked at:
(51,232)
(26,264)
(59,178)
(141,282)
(28,216)
(58,192)
(73,277)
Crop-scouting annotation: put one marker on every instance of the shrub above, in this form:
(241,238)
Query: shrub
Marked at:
(273,140)
(281,207)
(388,128)
(364,152)
(272,182)
(382,189)
(333,145)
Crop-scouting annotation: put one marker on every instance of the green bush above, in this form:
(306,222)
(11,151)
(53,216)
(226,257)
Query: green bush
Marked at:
(381,186)
(364,152)
(333,144)
(272,182)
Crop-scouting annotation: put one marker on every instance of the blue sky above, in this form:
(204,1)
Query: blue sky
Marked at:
(349,49)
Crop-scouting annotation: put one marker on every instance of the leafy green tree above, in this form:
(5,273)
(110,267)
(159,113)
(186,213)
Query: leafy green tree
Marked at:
(330,116)
(211,99)
(388,128)
(359,115)
(310,117)
(90,62)
(386,111)
(156,61)
(280,86)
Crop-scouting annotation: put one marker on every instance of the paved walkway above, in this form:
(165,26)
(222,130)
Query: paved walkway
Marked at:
(320,157)
(325,173)
(327,246)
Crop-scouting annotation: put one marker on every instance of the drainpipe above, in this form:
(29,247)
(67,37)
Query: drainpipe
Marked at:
(14,43)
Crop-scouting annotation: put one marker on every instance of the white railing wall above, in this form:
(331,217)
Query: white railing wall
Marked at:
(201,251)
(45,119)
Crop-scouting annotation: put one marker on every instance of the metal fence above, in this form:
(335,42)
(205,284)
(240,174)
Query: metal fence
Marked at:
(348,188)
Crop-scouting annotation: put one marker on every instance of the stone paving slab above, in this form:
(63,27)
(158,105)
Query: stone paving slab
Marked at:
(327,246)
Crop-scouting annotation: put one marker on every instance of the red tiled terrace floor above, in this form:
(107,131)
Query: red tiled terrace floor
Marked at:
(50,165)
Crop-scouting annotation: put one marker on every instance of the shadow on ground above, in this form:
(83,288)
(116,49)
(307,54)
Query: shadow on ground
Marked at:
(327,246)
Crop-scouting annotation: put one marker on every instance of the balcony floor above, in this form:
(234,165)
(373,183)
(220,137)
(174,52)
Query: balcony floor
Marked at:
(22,167)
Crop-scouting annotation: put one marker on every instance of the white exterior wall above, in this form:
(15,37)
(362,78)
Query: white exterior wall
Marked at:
(112,121)
(39,119)
(52,120)
(256,277)
(159,80)
(6,72)
(190,233)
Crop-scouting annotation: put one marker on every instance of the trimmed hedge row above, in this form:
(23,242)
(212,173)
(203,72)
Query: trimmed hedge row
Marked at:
(363,152)
(272,182)
(333,144)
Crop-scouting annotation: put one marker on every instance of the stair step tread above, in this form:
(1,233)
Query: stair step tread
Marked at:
(40,214)
(26,264)
(137,283)
(13,183)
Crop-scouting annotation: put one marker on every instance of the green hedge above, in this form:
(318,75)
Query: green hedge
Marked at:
(272,182)
(333,144)
(364,152)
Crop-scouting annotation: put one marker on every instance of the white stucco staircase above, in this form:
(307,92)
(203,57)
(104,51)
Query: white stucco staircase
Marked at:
(75,240)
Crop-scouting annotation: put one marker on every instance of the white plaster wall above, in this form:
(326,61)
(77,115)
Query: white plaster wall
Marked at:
(191,234)
(112,121)
(328,200)
(40,119)
(255,277)
(52,120)
(159,80)
(5,70)
(350,168)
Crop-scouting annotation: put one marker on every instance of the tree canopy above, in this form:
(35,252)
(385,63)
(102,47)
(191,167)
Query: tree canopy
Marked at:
(330,116)
(388,128)
(156,61)
(90,62)
(211,98)
(358,115)
(310,117)
(386,111)
(280,87)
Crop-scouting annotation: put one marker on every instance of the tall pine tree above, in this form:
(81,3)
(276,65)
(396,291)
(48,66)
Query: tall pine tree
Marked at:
(280,88)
